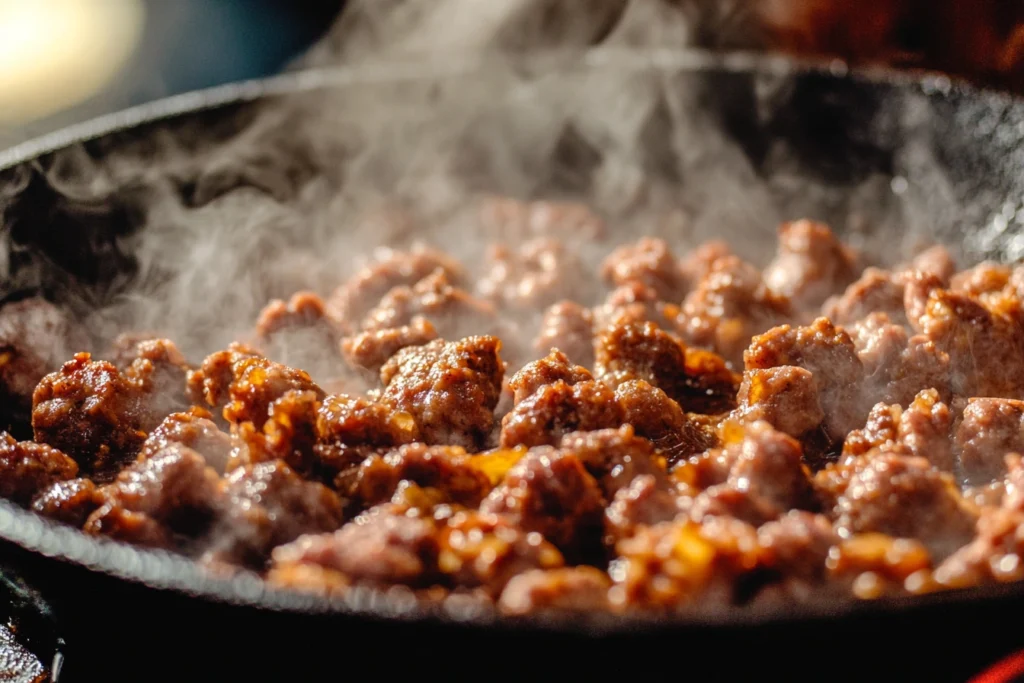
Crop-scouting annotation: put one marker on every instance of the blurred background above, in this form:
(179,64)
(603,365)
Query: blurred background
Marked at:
(63,61)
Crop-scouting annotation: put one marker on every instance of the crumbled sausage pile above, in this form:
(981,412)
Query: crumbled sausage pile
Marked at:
(710,433)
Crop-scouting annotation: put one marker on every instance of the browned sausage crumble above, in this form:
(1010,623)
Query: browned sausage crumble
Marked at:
(708,433)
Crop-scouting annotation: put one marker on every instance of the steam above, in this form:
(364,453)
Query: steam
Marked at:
(297,192)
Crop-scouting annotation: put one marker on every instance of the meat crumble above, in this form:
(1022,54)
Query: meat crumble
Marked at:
(702,432)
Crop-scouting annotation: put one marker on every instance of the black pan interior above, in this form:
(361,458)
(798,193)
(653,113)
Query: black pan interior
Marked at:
(883,157)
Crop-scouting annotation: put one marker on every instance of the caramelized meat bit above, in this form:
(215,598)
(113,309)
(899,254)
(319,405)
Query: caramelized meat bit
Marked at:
(935,261)
(877,292)
(898,495)
(28,467)
(645,501)
(195,431)
(634,351)
(898,367)
(90,412)
(35,338)
(766,478)
(158,372)
(289,434)
(377,549)
(991,428)
(172,493)
(548,370)
(539,273)
(70,502)
(615,457)
(450,388)
(677,564)
(994,556)
(486,551)
(921,430)
(786,397)
(371,350)
(986,349)
(299,332)
(811,264)
(550,491)
(259,382)
(658,418)
(558,409)
(797,546)
(453,311)
(568,327)
(209,383)
(828,353)
(572,589)
(356,421)
(875,565)
(266,505)
(698,263)
(511,219)
(447,469)
(648,261)
(728,306)
(985,278)
(349,303)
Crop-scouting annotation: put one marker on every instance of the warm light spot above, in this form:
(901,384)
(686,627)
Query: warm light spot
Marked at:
(56,53)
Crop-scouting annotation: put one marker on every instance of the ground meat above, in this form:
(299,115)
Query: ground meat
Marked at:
(615,457)
(659,419)
(677,564)
(450,388)
(159,372)
(27,467)
(453,311)
(991,428)
(935,261)
(209,383)
(986,349)
(35,338)
(555,366)
(728,306)
(635,351)
(994,556)
(299,332)
(766,478)
(171,493)
(897,367)
(380,548)
(918,288)
(573,589)
(810,265)
(877,292)
(485,550)
(786,397)
(289,434)
(537,274)
(985,278)
(551,492)
(195,430)
(568,327)
(798,545)
(698,263)
(829,354)
(511,219)
(355,421)
(558,409)
(371,350)
(258,382)
(70,502)
(921,430)
(898,495)
(645,501)
(90,412)
(349,303)
(634,302)
(649,261)
(447,469)
(266,505)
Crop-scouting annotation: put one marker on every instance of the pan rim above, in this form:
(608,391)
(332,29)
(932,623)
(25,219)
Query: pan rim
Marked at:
(160,570)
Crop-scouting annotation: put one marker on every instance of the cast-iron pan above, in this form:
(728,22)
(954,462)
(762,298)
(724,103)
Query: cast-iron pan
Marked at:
(132,614)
